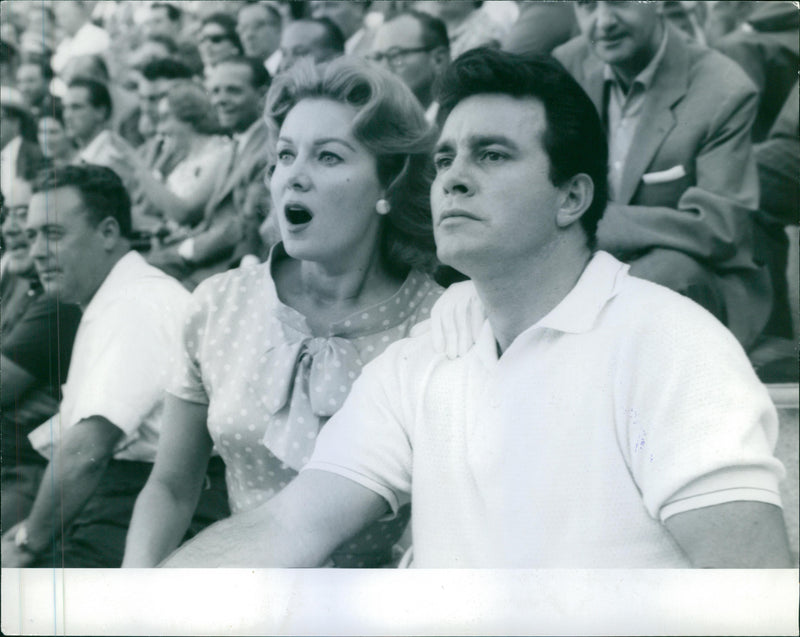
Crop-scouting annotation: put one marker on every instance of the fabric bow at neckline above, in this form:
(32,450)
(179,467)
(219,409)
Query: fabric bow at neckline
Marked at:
(311,377)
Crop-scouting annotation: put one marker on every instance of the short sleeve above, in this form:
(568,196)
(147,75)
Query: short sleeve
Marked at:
(41,341)
(700,428)
(124,378)
(186,382)
(368,440)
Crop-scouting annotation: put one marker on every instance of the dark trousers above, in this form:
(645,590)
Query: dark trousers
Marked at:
(96,539)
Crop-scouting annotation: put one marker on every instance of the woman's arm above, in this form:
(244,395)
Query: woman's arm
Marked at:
(165,507)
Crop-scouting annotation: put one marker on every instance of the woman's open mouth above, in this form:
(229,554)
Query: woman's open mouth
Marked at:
(297,214)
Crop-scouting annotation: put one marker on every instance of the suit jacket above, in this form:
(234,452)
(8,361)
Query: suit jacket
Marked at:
(769,53)
(690,182)
(238,196)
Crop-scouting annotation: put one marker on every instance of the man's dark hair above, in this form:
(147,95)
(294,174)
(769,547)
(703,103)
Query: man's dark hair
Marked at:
(55,110)
(99,68)
(100,188)
(434,31)
(334,38)
(166,69)
(228,24)
(99,95)
(259,76)
(268,7)
(173,12)
(573,139)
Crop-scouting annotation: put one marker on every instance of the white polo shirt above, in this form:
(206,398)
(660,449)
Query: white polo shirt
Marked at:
(122,358)
(626,404)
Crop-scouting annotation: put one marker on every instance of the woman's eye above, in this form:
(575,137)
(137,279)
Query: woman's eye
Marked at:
(285,156)
(329,158)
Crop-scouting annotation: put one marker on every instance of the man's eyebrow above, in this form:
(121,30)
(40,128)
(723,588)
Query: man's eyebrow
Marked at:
(443,146)
(478,141)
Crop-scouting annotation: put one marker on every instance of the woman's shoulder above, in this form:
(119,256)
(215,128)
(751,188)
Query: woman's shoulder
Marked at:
(232,286)
(422,289)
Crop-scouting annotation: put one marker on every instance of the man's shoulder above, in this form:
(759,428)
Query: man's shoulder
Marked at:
(650,310)
(573,53)
(711,73)
(141,289)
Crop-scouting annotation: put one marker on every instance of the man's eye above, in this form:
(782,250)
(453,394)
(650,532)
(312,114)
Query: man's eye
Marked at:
(442,161)
(492,156)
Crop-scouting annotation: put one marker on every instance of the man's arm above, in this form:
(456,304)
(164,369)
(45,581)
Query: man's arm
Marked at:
(75,470)
(15,382)
(299,527)
(733,535)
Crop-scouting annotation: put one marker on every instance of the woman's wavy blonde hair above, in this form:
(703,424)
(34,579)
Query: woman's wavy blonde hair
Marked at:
(391,124)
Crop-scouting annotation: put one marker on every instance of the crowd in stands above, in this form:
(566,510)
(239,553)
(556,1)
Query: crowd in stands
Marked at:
(216,213)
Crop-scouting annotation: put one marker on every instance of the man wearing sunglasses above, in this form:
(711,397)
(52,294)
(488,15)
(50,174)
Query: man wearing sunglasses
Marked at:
(414,46)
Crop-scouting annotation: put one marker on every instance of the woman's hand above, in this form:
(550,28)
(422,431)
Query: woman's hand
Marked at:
(457,319)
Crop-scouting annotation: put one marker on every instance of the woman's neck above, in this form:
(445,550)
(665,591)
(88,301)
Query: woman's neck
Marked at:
(343,284)
(326,293)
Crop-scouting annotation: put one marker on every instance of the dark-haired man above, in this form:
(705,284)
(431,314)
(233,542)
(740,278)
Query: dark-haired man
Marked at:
(163,18)
(102,443)
(682,171)
(259,27)
(316,38)
(351,19)
(240,200)
(33,81)
(414,46)
(87,119)
(598,421)
(157,77)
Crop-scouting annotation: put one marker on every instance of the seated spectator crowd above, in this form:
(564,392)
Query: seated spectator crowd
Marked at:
(306,283)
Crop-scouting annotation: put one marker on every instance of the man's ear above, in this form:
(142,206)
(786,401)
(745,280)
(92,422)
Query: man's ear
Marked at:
(576,197)
(110,232)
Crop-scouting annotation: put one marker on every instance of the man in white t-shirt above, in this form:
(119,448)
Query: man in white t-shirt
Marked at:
(598,421)
(102,443)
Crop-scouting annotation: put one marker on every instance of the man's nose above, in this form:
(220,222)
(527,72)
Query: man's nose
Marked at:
(605,15)
(457,179)
(37,246)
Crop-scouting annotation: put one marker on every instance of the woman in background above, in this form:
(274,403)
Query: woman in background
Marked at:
(188,126)
(270,352)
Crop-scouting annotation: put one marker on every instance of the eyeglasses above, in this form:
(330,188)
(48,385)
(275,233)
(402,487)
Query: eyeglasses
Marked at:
(396,55)
(214,38)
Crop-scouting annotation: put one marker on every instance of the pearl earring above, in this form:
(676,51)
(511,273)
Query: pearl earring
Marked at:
(382,207)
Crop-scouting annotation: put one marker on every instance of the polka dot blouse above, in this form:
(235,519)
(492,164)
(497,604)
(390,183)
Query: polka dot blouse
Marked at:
(270,383)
